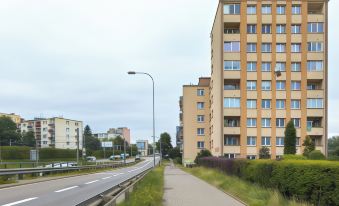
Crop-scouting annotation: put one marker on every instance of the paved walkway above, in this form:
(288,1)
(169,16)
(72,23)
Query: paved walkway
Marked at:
(183,189)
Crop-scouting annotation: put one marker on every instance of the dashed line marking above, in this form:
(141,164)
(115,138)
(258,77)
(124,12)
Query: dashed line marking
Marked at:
(65,189)
(87,183)
(104,178)
(20,201)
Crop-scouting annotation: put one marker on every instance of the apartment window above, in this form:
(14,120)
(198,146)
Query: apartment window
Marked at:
(296,48)
(296,28)
(229,156)
(251,141)
(315,46)
(280,141)
(296,85)
(280,122)
(266,104)
(280,66)
(314,66)
(266,9)
(266,122)
(201,131)
(296,122)
(281,48)
(265,141)
(296,9)
(67,129)
(67,122)
(201,145)
(280,104)
(281,28)
(44,129)
(200,105)
(266,85)
(251,9)
(251,104)
(200,92)
(231,65)
(296,66)
(315,27)
(251,47)
(281,9)
(67,136)
(232,9)
(315,103)
(44,142)
(297,141)
(232,46)
(266,47)
(251,122)
(251,85)
(200,118)
(251,157)
(266,28)
(232,102)
(251,66)
(231,141)
(251,28)
(231,122)
(44,136)
(295,104)
(266,66)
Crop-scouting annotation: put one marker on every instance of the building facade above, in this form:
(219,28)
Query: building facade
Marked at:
(112,133)
(142,146)
(14,117)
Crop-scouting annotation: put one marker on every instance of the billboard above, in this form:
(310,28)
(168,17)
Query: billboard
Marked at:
(106,144)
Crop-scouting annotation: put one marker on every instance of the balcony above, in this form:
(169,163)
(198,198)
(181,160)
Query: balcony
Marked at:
(232,111)
(232,18)
(315,112)
(232,74)
(315,131)
(315,75)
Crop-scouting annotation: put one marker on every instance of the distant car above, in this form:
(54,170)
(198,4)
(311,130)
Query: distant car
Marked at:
(61,164)
(137,157)
(122,156)
(91,159)
(114,157)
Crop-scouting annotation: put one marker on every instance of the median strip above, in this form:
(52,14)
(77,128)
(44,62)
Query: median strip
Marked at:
(87,183)
(68,188)
(19,202)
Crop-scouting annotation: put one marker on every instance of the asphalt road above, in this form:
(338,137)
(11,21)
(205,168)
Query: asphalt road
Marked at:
(69,191)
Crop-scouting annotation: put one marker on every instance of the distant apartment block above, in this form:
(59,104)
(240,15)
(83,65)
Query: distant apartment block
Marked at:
(14,117)
(124,132)
(55,132)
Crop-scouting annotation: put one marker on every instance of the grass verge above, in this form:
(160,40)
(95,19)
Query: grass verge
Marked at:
(149,191)
(249,193)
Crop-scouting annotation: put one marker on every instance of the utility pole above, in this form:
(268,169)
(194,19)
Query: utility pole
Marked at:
(124,151)
(78,146)
(0,152)
(36,151)
(131,149)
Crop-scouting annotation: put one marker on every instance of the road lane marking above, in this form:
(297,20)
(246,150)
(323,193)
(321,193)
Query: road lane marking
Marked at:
(118,174)
(21,201)
(65,189)
(104,178)
(87,183)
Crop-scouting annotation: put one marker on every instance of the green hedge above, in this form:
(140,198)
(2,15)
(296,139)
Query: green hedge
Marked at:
(14,152)
(52,153)
(314,181)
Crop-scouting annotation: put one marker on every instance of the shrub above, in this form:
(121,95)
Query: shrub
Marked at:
(178,160)
(290,138)
(264,153)
(201,154)
(15,152)
(316,155)
(309,146)
(294,157)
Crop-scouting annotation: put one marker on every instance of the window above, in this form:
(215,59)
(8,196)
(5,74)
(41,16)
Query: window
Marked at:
(232,9)
(251,47)
(251,104)
(266,122)
(200,118)
(281,47)
(315,27)
(296,9)
(231,122)
(296,28)
(201,145)
(280,66)
(281,28)
(251,122)
(200,105)
(251,85)
(44,129)
(296,66)
(315,46)
(296,85)
(200,92)
(280,104)
(67,122)
(281,9)
(251,66)
(230,140)
(266,28)
(251,157)
(44,142)
(231,65)
(266,47)
(233,46)
(251,9)
(251,28)
(67,129)
(265,141)
(315,103)
(297,141)
(280,141)
(266,67)
(296,122)
(44,136)
(229,156)
(201,131)
(314,66)
(232,102)
(251,141)
(266,9)
(295,104)
(281,85)
(266,85)
(296,48)
(280,122)
(266,104)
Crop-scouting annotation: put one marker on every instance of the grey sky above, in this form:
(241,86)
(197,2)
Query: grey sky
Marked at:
(70,58)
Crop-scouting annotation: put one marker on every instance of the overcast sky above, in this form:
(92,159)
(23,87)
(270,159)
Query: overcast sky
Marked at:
(70,58)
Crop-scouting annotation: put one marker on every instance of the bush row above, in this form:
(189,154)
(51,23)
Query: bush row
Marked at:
(313,181)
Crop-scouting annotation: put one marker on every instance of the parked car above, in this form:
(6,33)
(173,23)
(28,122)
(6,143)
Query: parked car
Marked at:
(91,159)
(114,157)
(61,164)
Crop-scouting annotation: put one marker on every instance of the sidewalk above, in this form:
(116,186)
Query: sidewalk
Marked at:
(183,189)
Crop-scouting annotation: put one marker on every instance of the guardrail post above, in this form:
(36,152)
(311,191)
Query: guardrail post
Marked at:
(20,176)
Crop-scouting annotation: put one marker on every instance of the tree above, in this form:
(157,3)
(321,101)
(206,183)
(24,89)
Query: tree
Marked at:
(91,142)
(316,155)
(201,154)
(8,131)
(119,143)
(150,149)
(174,153)
(166,144)
(309,145)
(28,139)
(134,150)
(333,146)
(290,139)
(264,153)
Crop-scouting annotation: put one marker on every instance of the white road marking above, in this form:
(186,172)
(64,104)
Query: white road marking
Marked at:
(65,189)
(21,201)
(104,178)
(118,174)
(87,183)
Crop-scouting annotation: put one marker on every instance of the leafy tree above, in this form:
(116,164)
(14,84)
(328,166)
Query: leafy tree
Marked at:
(201,154)
(28,139)
(8,131)
(134,150)
(316,155)
(150,149)
(309,145)
(264,153)
(166,144)
(119,142)
(91,142)
(333,146)
(174,153)
(290,139)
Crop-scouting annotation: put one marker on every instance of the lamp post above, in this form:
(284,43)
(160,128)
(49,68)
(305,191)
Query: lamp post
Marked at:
(144,73)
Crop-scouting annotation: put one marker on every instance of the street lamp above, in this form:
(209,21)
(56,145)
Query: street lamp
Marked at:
(144,73)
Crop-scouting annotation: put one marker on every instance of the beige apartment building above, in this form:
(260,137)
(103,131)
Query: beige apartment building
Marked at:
(112,133)
(14,117)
